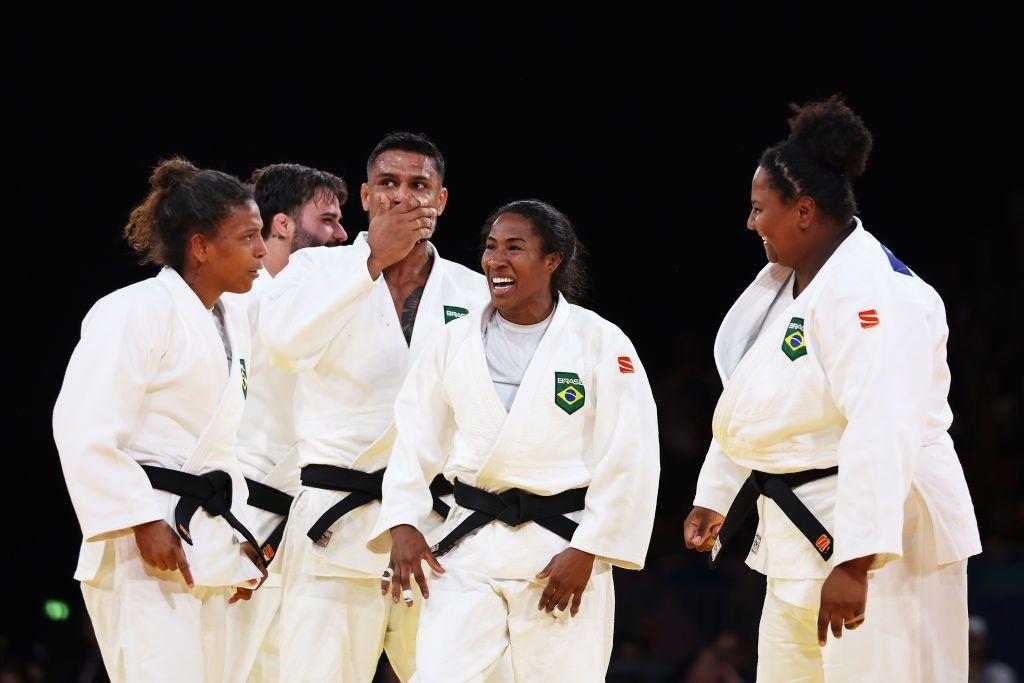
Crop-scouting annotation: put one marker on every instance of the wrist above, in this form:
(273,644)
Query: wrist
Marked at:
(145,526)
(374,266)
(858,565)
(583,554)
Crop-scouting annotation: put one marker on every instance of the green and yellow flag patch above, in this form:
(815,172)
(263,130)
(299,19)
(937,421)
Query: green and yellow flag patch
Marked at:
(795,343)
(245,379)
(570,394)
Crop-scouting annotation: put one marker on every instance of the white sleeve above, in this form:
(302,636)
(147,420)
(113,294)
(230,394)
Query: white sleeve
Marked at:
(880,378)
(98,409)
(619,515)
(719,481)
(424,426)
(310,301)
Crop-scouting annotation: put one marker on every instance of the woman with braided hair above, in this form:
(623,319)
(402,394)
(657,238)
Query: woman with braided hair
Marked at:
(833,424)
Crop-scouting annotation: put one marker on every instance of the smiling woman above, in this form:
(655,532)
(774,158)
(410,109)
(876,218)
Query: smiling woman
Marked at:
(540,414)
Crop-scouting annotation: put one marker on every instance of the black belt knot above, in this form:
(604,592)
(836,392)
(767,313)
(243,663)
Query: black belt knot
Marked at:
(210,491)
(513,507)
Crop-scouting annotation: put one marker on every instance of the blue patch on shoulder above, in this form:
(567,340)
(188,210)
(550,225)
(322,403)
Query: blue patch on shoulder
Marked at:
(897,265)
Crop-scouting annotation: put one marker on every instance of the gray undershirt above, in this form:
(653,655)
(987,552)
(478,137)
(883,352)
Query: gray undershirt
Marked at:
(509,349)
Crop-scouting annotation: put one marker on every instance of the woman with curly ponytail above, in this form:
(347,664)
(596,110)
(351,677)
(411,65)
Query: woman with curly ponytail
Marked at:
(145,425)
(833,424)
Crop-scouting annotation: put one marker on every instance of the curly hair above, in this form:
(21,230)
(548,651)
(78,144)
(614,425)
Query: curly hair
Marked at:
(827,147)
(183,200)
(285,188)
(557,235)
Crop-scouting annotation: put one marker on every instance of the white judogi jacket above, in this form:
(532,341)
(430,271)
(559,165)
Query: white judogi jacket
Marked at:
(450,419)
(325,319)
(149,383)
(266,438)
(863,385)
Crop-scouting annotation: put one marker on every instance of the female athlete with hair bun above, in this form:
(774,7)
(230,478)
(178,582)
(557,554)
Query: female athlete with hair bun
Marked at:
(145,424)
(833,423)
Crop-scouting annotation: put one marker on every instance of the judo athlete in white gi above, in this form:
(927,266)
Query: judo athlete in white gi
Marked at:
(151,402)
(349,320)
(836,383)
(540,414)
(300,207)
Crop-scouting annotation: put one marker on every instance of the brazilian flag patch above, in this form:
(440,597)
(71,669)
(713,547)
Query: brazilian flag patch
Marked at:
(795,343)
(570,395)
(454,313)
(245,378)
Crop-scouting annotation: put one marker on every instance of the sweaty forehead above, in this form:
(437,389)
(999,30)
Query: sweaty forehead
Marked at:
(401,163)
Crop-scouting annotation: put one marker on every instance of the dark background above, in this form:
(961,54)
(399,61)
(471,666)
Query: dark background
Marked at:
(643,127)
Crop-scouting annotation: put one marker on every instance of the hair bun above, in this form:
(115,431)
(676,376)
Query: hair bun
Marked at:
(832,134)
(172,172)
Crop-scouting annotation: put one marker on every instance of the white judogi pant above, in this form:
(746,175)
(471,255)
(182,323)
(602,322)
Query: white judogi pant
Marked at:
(335,628)
(253,653)
(472,623)
(915,628)
(150,626)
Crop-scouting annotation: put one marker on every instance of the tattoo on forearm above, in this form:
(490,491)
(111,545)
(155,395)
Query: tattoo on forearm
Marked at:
(409,308)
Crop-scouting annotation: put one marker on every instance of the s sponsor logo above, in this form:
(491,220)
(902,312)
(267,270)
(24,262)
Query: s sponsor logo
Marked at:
(625,365)
(268,552)
(454,313)
(795,343)
(570,394)
(868,318)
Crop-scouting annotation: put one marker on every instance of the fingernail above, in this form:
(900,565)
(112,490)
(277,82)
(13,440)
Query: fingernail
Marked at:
(697,539)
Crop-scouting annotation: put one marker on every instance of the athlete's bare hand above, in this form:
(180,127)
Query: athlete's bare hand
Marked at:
(408,551)
(844,597)
(567,573)
(700,530)
(395,230)
(161,548)
(245,593)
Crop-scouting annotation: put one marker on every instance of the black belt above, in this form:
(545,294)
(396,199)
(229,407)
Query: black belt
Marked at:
(362,488)
(778,487)
(513,507)
(271,500)
(210,491)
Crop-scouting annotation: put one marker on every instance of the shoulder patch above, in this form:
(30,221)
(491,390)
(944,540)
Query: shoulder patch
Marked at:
(868,318)
(245,378)
(454,313)
(626,365)
(897,265)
